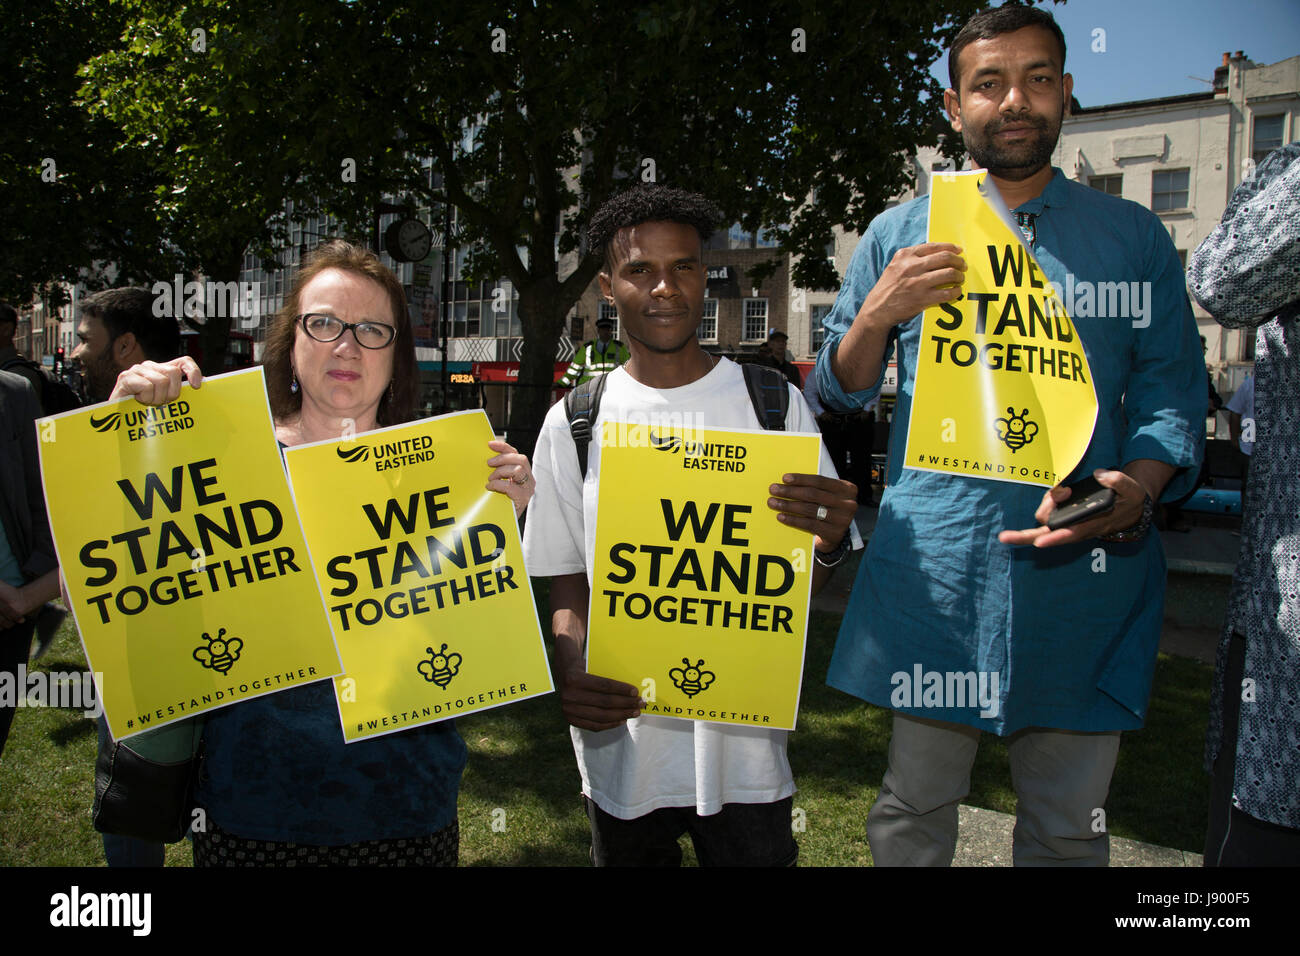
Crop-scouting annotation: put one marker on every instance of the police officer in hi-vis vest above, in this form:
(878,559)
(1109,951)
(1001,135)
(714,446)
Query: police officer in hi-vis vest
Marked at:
(601,355)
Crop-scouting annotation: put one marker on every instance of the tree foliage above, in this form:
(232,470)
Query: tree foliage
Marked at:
(793,117)
(73,195)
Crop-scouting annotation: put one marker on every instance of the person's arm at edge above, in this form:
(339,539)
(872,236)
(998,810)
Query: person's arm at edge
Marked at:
(1217,269)
(18,602)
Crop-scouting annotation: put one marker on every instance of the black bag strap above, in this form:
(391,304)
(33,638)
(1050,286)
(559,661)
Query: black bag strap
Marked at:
(581,406)
(769,392)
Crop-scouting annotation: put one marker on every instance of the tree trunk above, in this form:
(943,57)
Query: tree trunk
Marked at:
(214,333)
(542,312)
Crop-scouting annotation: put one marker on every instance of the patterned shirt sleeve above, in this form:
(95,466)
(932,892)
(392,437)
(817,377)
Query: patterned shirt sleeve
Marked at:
(1249,267)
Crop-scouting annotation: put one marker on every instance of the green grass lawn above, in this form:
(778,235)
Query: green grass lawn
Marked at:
(519,801)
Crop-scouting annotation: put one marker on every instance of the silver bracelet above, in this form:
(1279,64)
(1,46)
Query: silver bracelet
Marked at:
(835,555)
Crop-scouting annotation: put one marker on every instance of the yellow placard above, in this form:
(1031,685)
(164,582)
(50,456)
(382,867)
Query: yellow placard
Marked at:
(184,559)
(1003,389)
(699,594)
(422,572)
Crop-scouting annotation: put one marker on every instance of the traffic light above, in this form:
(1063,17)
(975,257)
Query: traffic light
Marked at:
(58,362)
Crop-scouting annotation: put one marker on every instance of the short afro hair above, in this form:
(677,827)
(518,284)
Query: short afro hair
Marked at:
(993,22)
(652,203)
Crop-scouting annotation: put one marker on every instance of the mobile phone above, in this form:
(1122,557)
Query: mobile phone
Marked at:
(1088,499)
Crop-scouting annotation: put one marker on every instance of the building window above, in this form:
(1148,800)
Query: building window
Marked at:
(1268,135)
(817,332)
(1169,189)
(608,311)
(738,237)
(1182,258)
(1110,185)
(708,331)
(1247,337)
(755,328)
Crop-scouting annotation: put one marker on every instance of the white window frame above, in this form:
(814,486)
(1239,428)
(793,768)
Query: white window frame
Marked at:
(749,315)
(816,330)
(710,315)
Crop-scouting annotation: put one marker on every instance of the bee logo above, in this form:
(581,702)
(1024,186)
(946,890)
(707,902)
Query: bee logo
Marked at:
(350,455)
(220,653)
(441,667)
(107,423)
(670,444)
(1016,431)
(692,679)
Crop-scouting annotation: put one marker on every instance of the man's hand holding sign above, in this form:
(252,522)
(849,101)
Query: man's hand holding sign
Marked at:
(824,506)
(917,278)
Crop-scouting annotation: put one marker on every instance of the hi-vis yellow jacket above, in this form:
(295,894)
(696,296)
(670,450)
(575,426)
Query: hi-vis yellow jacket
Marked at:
(591,360)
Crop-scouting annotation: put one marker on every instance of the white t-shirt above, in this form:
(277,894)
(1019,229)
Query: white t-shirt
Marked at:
(653,762)
(1243,403)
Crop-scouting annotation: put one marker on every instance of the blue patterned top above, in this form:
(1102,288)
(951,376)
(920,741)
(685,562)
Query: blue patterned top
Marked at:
(1247,274)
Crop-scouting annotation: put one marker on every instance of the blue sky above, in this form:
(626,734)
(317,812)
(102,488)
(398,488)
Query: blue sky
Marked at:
(1154,46)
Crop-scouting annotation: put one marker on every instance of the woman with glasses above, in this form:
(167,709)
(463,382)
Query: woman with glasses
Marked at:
(278,785)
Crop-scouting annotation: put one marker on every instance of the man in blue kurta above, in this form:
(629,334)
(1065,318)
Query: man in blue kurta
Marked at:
(1046,637)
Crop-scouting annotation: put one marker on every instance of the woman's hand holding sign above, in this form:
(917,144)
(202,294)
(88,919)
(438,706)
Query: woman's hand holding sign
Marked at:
(157,383)
(511,475)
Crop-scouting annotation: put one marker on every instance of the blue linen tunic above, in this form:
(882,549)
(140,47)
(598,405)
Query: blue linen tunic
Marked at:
(1073,646)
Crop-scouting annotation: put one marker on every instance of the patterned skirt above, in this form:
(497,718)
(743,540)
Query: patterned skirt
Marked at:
(217,847)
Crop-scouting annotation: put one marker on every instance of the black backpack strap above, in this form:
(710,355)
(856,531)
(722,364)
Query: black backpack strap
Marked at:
(581,406)
(769,392)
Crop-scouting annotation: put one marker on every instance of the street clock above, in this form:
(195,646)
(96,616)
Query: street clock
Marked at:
(408,240)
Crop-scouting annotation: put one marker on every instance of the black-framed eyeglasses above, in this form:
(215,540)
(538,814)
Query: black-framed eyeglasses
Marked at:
(327,328)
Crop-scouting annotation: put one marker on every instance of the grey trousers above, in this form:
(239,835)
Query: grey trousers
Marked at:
(1061,780)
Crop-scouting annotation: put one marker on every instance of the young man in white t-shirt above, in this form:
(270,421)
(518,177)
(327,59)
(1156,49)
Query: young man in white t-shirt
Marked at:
(647,780)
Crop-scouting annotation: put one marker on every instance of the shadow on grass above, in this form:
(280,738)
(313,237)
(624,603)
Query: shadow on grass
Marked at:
(67,734)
